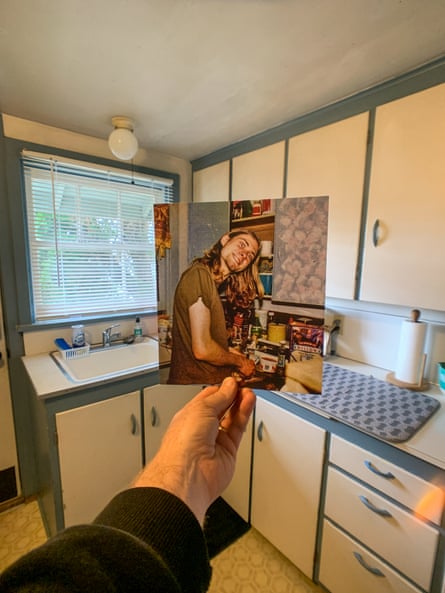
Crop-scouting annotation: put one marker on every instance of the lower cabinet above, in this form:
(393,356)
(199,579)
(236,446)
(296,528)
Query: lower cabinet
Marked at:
(161,402)
(348,567)
(286,482)
(100,453)
(382,525)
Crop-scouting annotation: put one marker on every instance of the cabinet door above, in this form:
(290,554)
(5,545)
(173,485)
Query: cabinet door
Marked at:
(405,242)
(286,482)
(237,493)
(161,402)
(259,174)
(330,161)
(212,184)
(100,452)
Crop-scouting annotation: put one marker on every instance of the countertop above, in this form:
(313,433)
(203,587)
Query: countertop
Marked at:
(428,443)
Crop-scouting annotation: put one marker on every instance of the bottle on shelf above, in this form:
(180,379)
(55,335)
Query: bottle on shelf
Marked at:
(282,357)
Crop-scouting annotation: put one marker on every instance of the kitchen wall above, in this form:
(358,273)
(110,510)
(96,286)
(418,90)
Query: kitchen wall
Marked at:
(370,332)
(21,132)
(21,129)
(16,128)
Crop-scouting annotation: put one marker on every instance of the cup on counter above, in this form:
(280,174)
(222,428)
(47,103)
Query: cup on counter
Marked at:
(78,336)
(441,374)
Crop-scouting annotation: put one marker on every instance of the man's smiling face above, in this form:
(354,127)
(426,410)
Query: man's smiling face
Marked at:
(237,253)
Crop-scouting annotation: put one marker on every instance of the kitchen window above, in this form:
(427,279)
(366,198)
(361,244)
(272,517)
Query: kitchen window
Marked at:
(91,247)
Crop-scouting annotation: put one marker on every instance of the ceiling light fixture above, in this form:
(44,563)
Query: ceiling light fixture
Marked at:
(122,142)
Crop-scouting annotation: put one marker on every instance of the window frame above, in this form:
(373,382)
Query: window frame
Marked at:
(17,216)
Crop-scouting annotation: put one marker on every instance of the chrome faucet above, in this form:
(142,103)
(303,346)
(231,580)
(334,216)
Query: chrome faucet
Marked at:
(107,336)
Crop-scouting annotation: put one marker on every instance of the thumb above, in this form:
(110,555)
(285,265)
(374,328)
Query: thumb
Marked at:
(222,397)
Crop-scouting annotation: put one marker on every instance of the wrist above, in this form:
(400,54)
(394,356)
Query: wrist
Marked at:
(173,479)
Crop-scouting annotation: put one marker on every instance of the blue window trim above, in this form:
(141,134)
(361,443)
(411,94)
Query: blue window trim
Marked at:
(15,202)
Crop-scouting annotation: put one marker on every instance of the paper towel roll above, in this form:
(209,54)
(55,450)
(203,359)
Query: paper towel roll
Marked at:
(411,353)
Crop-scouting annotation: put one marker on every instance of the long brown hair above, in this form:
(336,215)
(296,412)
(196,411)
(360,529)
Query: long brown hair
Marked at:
(240,288)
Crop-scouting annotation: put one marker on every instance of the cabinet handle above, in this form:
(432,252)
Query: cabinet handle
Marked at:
(374,509)
(154,416)
(260,431)
(375,571)
(134,424)
(374,470)
(375,233)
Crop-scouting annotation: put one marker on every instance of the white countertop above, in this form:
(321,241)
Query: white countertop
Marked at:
(428,443)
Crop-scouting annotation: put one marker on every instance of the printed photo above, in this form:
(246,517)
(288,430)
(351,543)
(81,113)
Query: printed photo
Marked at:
(241,292)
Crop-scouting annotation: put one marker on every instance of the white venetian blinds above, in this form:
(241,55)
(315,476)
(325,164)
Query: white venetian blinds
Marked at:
(90,237)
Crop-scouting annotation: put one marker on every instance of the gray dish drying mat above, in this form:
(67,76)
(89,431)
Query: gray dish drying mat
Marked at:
(371,405)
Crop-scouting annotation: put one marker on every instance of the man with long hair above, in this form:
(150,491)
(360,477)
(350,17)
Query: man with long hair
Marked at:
(200,352)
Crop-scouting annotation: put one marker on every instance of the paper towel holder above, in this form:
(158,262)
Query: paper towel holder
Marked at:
(421,385)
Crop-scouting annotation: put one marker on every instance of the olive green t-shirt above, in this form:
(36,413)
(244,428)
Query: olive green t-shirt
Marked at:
(196,282)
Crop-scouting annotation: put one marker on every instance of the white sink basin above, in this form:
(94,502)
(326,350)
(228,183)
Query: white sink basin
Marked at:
(115,361)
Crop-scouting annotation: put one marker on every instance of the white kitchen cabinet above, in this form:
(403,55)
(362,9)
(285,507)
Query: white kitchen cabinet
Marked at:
(259,174)
(100,453)
(348,567)
(286,482)
(404,241)
(212,184)
(161,402)
(402,539)
(237,494)
(381,526)
(330,161)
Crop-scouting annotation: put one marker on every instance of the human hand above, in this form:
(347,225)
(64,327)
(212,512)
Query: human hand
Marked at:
(197,456)
(246,367)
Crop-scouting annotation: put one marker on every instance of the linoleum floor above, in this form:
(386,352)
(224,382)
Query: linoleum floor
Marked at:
(250,565)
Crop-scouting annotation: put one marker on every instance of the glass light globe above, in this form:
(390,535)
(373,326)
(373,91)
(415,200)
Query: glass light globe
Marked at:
(123,144)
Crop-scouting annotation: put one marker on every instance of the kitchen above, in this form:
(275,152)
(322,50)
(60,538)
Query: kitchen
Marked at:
(370,327)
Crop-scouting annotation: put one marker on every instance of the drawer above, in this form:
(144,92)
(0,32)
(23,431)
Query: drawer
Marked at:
(403,540)
(346,567)
(421,496)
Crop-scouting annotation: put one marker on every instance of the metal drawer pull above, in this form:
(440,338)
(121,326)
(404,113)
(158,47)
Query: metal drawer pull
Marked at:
(134,424)
(374,509)
(374,470)
(154,416)
(260,431)
(373,570)
(375,233)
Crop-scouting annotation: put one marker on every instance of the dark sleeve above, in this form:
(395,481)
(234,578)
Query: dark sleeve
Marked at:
(144,540)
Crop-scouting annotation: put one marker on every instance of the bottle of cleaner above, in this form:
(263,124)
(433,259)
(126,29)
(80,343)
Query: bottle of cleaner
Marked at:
(137,332)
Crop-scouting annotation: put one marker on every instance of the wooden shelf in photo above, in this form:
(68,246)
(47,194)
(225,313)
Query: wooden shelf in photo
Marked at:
(253,220)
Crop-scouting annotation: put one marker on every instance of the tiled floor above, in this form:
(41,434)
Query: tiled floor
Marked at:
(250,565)
(21,530)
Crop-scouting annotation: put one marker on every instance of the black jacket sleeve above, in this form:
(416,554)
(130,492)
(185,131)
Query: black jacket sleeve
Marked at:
(144,540)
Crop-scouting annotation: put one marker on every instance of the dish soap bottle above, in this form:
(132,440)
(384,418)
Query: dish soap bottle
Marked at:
(137,332)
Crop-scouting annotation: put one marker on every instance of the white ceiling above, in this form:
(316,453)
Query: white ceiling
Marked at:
(197,75)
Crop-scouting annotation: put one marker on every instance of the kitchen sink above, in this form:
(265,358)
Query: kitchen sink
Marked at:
(113,361)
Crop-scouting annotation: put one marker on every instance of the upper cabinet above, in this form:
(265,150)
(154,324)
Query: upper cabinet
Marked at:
(330,161)
(405,242)
(259,174)
(386,201)
(212,184)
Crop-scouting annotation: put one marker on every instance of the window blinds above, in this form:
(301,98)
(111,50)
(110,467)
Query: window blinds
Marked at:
(90,237)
